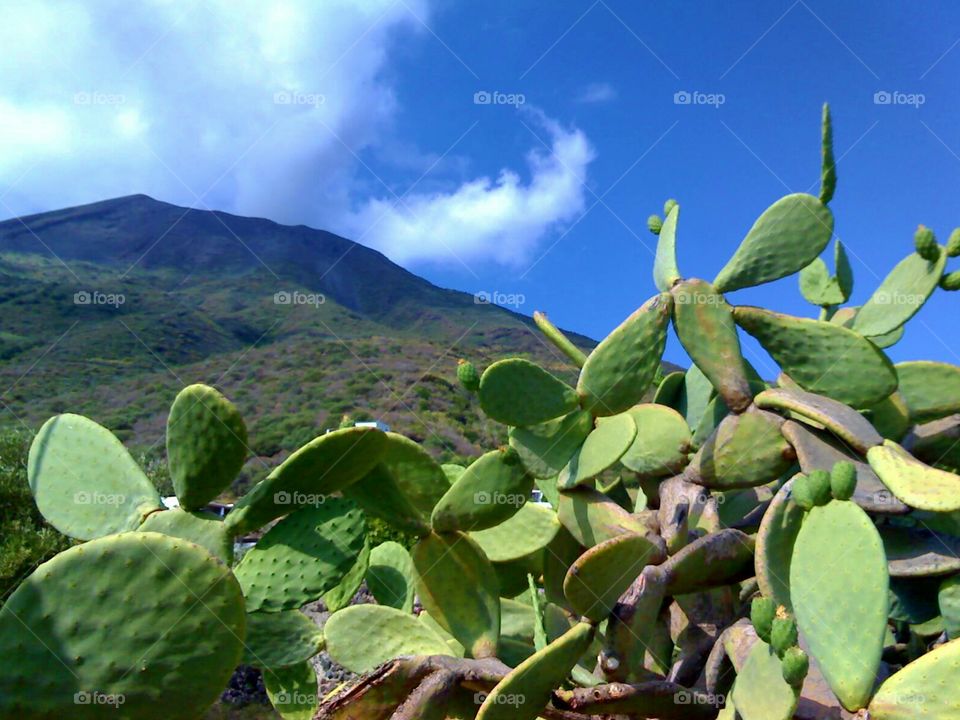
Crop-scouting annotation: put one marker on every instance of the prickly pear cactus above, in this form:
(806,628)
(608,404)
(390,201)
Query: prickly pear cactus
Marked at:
(821,504)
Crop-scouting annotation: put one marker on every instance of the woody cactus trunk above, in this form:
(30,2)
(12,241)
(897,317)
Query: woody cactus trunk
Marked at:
(713,544)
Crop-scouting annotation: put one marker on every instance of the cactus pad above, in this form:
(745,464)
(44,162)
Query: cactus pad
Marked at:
(166,648)
(925,689)
(856,586)
(842,420)
(206,444)
(490,491)
(397,633)
(302,557)
(760,692)
(665,270)
(546,448)
(695,396)
(592,517)
(519,392)
(704,323)
(204,529)
(277,639)
(84,481)
(600,576)
(828,166)
(457,586)
(389,576)
(900,296)
(821,357)
(919,552)
(785,238)
(745,451)
(719,558)
(338,597)
(604,446)
(323,466)
(531,684)
(293,691)
(621,368)
(931,390)
(661,444)
(529,531)
(914,482)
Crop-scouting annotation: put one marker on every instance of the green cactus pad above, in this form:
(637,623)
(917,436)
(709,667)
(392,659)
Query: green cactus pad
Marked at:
(84,481)
(856,586)
(600,576)
(389,576)
(662,442)
(556,336)
(818,451)
(760,692)
(519,392)
(490,491)
(785,238)
(948,601)
(604,446)
(704,323)
(154,620)
(665,270)
(457,586)
(397,633)
(278,639)
(546,448)
(338,597)
(915,483)
(900,296)
(669,390)
(821,357)
(204,529)
(890,416)
(695,396)
(936,443)
(403,488)
(323,466)
(931,390)
(745,451)
(719,558)
(818,286)
(592,517)
(842,420)
(293,691)
(926,689)
(714,413)
(452,471)
(530,530)
(531,684)
(206,444)
(621,368)
(828,166)
(302,557)
(454,648)
(919,552)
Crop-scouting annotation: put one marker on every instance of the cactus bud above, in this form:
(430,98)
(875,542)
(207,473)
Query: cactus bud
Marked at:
(762,612)
(951,281)
(819,486)
(468,376)
(953,244)
(843,480)
(783,635)
(654,223)
(668,206)
(802,492)
(346,421)
(795,665)
(926,243)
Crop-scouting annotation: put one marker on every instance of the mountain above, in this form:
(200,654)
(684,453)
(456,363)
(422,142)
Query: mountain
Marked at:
(109,309)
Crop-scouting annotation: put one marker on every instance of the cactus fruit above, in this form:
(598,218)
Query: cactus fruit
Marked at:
(763,611)
(468,376)
(843,480)
(819,483)
(951,281)
(783,634)
(796,664)
(925,243)
(654,224)
(803,492)
(668,206)
(953,243)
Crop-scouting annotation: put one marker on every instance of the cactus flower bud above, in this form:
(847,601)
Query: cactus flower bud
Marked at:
(762,612)
(654,223)
(795,665)
(843,480)
(468,376)
(926,243)
(783,635)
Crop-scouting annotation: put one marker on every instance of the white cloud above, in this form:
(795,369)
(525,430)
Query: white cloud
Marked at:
(258,108)
(597,93)
(500,219)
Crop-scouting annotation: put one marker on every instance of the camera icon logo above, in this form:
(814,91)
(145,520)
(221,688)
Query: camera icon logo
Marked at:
(282,298)
(682,97)
(281,498)
(81,298)
(882,97)
(482,97)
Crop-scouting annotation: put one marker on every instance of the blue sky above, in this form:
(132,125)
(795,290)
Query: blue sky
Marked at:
(363,118)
